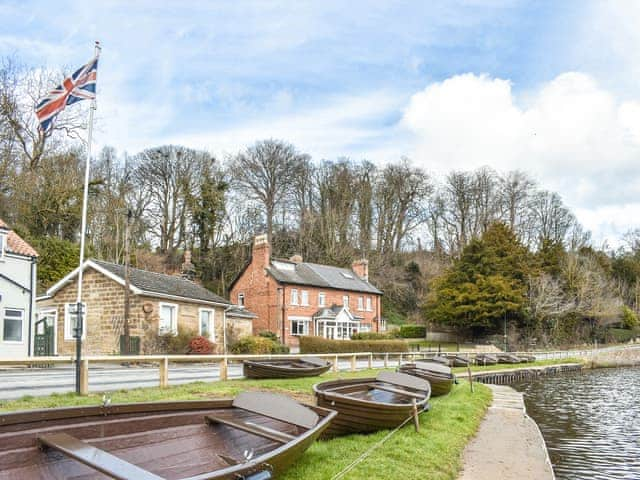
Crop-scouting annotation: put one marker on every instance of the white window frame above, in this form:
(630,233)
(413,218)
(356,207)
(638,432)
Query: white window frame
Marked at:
(345,301)
(306,325)
(304,298)
(322,299)
(212,333)
(360,303)
(3,245)
(68,330)
(241,299)
(174,321)
(294,296)
(369,304)
(4,318)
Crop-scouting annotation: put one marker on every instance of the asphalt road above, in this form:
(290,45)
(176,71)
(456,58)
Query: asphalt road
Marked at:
(18,382)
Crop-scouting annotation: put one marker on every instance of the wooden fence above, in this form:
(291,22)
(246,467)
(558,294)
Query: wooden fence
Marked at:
(163,362)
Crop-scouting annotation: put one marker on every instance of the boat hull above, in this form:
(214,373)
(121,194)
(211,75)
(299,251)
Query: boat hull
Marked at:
(380,411)
(441,384)
(166,440)
(283,369)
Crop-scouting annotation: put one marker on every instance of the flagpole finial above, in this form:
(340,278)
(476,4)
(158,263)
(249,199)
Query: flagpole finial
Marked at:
(98,47)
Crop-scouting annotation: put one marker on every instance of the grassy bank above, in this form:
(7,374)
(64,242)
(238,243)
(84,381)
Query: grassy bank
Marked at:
(434,452)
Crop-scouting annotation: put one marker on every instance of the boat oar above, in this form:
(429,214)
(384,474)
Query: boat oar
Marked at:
(470,378)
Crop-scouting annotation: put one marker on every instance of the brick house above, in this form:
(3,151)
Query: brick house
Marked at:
(159,305)
(294,298)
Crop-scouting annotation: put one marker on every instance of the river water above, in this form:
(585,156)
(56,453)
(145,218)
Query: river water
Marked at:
(590,421)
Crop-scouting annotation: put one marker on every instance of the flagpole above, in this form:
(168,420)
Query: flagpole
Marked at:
(83,231)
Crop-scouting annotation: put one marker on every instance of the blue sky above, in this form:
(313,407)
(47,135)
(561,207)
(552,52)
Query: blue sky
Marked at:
(449,84)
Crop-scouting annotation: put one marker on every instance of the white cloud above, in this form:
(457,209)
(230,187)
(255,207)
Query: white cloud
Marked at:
(573,135)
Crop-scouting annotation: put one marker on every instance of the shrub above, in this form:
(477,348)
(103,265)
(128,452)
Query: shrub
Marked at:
(629,318)
(270,335)
(168,344)
(372,336)
(323,345)
(413,331)
(200,346)
(257,345)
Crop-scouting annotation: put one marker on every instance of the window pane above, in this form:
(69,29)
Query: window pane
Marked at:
(167,313)
(12,330)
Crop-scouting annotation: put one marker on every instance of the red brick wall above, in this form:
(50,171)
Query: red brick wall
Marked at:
(263,296)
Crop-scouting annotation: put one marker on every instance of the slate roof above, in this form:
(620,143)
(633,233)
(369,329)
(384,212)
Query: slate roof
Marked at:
(333,311)
(15,244)
(316,275)
(240,312)
(162,284)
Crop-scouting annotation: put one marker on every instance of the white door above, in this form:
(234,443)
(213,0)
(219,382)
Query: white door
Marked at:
(330,332)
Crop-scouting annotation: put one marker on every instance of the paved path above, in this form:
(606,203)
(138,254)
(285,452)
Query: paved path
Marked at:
(508,445)
(18,382)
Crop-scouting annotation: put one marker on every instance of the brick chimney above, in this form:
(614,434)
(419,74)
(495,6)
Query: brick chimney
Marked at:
(361,268)
(296,258)
(261,251)
(188,270)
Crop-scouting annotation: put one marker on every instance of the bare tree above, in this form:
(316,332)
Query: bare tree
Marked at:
(265,173)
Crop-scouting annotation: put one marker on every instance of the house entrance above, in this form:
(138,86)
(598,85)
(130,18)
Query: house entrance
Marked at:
(43,340)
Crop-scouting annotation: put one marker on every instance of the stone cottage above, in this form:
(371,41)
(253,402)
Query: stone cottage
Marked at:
(159,305)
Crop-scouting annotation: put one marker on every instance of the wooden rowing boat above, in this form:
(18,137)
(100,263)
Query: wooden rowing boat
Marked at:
(439,376)
(485,359)
(254,436)
(507,358)
(369,404)
(439,359)
(458,361)
(527,357)
(285,368)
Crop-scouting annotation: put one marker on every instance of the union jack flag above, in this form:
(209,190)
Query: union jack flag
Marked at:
(81,85)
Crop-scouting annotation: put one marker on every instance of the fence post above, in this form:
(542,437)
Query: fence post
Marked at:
(370,361)
(335,364)
(84,377)
(353,363)
(400,360)
(164,372)
(386,360)
(223,369)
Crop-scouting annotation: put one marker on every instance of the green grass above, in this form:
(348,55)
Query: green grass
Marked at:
(432,453)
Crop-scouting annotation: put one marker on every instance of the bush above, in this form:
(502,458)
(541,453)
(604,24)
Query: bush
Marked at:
(270,335)
(629,318)
(200,346)
(372,336)
(168,344)
(257,345)
(413,331)
(323,345)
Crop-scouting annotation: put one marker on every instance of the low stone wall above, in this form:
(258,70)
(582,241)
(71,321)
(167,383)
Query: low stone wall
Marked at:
(505,377)
(616,358)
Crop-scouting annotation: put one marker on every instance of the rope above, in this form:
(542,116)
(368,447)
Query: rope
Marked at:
(369,451)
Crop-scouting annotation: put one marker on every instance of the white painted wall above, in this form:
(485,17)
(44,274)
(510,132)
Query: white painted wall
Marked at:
(18,269)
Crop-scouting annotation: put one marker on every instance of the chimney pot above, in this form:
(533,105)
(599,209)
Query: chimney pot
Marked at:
(296,258)
(261,250)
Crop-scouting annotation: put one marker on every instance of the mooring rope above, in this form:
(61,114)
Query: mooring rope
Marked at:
(368,452)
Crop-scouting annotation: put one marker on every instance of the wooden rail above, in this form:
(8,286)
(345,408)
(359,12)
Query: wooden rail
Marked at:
(223,361)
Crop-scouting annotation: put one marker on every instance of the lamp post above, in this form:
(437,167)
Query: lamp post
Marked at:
(506,347)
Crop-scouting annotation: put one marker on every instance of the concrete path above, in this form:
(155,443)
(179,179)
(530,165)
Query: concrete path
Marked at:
(508,445)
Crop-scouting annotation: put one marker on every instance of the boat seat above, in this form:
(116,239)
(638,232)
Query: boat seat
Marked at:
(278,407)
(253,428)
(403,380)
(95,458)
(398,391)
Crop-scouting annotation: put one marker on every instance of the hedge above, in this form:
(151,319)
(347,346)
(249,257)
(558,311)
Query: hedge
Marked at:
(323,345)
(373,336)
(413,331)
(257,345)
